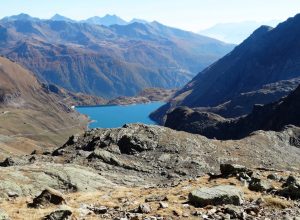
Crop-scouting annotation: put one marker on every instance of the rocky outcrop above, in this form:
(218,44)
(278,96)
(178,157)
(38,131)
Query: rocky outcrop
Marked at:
(138,155)
(32,179)
(193,121)
(139,171)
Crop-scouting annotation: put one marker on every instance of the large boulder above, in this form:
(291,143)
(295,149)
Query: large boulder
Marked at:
(218,195)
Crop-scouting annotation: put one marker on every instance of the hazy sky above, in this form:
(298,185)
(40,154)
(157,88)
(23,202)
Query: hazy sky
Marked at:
(186,14)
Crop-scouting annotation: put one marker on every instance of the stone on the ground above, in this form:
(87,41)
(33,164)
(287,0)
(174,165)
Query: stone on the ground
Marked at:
(8,162)
(291,188)
(233,169)
(156,198)
(98,209)
(163,205)
(218,195)
(273,176)
(3,215)
(234,211)
(291,180)
(47,197)
(144,208)
(259,185)
(59,215)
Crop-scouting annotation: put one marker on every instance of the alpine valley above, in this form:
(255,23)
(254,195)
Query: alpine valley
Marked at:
(228,143)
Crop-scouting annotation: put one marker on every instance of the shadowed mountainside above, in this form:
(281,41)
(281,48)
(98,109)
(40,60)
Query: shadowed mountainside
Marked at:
(268,56)
(273,116)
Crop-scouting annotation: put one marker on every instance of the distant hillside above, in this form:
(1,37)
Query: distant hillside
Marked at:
(107,61)
(273,116)
(28,112)
(267,56)
(235,33)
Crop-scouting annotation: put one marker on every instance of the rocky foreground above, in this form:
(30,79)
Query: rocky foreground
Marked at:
(235,193)
(153,172)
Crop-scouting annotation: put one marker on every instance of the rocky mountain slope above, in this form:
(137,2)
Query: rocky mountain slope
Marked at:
(273,116)
(145,96)
(151,155)
(71,98)
(107,61)
(136,167)
(31,115)
(267,56)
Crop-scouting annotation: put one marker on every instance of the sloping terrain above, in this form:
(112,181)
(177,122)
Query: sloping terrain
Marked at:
(140,155)
(145,96)
(27,111)
(138,166)
(117,202)
(267,56)
(107,61)
(273,116)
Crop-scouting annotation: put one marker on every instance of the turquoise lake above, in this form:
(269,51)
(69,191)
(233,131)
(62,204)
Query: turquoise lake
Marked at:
(116,116)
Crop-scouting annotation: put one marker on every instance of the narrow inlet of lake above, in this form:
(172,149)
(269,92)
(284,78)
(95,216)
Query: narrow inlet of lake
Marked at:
(117,115)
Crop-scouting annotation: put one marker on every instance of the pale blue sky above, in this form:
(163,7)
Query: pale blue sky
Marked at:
(186,14)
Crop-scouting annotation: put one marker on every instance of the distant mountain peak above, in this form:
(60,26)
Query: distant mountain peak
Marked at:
(21,16)
(257,34)
(58,17)
(106,20)
(262,30)
(136,20)
(111,16)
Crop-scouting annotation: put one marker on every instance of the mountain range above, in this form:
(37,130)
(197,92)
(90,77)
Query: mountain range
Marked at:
(106,20)
(107,61)
(263,68)
(235,33)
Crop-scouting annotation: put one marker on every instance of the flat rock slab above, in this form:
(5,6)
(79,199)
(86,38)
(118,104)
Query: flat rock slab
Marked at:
(218,195)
